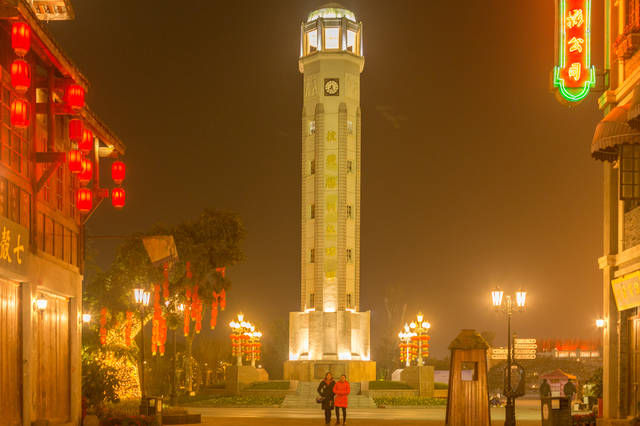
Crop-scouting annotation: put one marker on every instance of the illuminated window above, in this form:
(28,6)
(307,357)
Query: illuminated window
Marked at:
(350,127)
(312,167)
(349,212)
(312,127)
(312,256)
(14,143)
(312,213)
(332,182)
(349,166)
(312,41)
(351,41)
(332,38)
(630,176)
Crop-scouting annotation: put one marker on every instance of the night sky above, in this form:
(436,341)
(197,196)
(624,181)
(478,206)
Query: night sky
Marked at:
(473,174)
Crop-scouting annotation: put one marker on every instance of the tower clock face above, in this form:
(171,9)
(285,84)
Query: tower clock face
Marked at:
(331,87)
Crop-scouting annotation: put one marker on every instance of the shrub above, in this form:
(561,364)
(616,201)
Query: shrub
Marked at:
(99,382)
(409,401)
(387,385)
(238,401)
(440,386)
(272,385)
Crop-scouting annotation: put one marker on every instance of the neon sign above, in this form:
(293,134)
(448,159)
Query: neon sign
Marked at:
(573,74)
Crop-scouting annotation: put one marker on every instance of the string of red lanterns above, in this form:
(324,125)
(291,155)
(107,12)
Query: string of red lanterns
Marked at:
(20,75)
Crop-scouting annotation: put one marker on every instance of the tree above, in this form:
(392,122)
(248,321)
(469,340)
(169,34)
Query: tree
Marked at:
(205,245)
(275,350)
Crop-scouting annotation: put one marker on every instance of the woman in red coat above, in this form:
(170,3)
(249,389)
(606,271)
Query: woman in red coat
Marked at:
(341,399)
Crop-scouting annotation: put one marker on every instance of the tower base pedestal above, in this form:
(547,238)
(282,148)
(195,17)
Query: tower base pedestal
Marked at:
(308,371)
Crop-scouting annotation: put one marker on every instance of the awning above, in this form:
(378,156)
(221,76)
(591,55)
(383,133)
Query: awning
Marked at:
(613,130)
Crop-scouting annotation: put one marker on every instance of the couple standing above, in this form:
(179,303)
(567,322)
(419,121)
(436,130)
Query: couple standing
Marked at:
(334,394)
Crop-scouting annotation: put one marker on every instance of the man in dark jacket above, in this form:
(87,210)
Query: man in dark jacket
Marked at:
(545,389)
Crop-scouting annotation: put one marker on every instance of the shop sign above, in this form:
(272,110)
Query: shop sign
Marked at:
(626,291)
(14,246)
(573,75)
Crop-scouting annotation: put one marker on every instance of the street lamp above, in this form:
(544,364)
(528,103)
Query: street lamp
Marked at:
(420,329)
(142,298)
(254,346)
(86,318)
(240,332)
(405,337)
(174,311)
(497,298)
(600,323)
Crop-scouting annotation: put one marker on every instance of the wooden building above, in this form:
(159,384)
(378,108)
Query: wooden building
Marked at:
(45,200)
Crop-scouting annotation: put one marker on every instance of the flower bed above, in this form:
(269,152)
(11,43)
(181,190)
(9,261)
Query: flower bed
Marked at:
(409,401)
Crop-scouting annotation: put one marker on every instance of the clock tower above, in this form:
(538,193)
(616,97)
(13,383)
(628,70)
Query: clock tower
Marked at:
(329,333)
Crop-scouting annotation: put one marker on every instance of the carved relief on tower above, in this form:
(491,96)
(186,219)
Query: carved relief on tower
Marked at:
(352,83)
(311,86)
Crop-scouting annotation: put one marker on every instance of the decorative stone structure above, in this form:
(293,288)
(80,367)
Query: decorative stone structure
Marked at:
(329,330)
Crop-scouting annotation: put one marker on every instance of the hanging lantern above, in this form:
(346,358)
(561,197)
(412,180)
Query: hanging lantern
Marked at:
(127,329)
(103,324)
(223,300)
(118,171)
(20,76)
(76,129)
(74,96)
(86,141)
(74,158)
(214,316)
(86,174)
(20,113)
(118,199)
(84,200)
(20,38)
(165,271)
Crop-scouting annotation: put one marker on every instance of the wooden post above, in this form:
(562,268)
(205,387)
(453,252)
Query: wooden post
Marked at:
(468,396)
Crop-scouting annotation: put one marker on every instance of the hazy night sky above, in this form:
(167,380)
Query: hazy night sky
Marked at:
(473,174)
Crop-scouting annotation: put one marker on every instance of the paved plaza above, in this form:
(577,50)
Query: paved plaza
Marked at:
(527,414)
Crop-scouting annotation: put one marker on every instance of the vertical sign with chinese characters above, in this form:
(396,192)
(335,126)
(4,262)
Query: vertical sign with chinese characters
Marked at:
(14,246)
(573,74)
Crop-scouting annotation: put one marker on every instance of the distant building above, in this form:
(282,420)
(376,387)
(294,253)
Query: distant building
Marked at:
(41,224)
(570,349)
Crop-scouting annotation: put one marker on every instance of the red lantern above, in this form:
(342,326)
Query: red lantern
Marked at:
(20,113)
(118,171)
(75,161)
(74,96)
(84,200)
(86,143)
(76,129)
(20,76)
(86,174)
(117,199)
(20,38)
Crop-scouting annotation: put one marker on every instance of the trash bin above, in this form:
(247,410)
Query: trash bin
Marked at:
(151,406)
(556,411)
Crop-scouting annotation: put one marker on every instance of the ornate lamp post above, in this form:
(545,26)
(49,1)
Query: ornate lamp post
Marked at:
(240,330)
(142,299)
(421,328)
(506,305)
(405,337)
(253,348)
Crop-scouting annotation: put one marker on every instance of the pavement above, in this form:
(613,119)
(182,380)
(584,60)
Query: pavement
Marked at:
(527,414)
